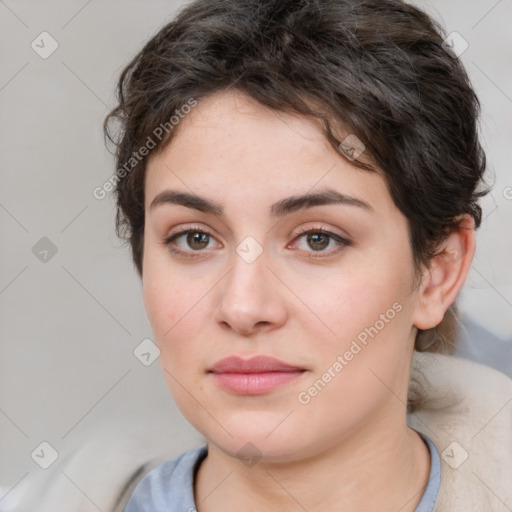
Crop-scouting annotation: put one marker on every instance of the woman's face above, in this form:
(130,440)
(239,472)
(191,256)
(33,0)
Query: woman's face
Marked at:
(339,306)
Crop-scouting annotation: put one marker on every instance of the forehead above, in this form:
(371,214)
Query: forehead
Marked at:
(231,146)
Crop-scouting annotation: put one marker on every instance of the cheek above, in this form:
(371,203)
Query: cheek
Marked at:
(163,302)
(165,296)
(176,317)
(172,312)
(358,297)
(173,304)
(368,356)
(368,309)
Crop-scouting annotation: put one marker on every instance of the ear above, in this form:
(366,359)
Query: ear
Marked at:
(445,275)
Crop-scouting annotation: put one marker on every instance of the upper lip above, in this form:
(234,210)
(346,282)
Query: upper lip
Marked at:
(256,364)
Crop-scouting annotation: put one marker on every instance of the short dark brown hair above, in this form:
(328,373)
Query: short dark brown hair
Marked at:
(378,68)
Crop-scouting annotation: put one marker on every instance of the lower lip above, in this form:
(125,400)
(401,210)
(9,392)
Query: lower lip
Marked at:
(254,383)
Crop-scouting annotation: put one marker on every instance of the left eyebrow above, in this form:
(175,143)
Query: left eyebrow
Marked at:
(327,196)
(280,208)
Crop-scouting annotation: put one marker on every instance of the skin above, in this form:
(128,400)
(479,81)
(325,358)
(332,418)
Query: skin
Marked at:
(349,448)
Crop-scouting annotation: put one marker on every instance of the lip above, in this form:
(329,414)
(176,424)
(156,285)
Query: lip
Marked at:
(255,376)
(255,364)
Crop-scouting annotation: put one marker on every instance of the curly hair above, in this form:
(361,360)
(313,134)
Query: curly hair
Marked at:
(377,68)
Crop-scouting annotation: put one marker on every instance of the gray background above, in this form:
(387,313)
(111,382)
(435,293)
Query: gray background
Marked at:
(69,325)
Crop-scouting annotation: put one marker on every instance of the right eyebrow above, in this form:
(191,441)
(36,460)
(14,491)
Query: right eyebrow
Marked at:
(188,200)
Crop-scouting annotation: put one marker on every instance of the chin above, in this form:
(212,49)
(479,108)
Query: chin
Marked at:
(259,440)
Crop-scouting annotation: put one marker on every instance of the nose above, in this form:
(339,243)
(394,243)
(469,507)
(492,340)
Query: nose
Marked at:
(250,298)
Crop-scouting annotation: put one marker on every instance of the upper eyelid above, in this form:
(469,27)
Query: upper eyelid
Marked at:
(339,239)
(181,231)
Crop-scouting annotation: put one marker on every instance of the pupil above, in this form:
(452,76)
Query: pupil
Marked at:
(313,240)
(197,238)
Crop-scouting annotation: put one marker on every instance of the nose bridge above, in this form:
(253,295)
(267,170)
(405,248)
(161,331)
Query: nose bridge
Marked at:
(248,297)
(247,280)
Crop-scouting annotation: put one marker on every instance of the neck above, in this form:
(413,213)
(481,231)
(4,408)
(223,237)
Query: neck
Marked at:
(372,469)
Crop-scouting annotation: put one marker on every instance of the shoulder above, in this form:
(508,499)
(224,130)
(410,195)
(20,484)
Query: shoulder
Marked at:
(96,470)
(168,484)
(467,413)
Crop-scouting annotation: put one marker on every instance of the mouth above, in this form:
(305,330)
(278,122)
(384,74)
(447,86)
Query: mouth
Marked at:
(255,376)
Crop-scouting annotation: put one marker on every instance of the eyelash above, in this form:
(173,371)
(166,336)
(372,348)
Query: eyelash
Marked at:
(342,242)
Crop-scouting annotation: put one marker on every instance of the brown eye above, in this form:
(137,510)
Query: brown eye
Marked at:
(318,241)
(191,243)
(197,240)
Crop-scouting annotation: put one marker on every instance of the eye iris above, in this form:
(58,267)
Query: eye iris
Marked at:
(195,237)
(315,241)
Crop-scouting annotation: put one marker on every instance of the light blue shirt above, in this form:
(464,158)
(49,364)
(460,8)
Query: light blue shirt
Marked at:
(170,487)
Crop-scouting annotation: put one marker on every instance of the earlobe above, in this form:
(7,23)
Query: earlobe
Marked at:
(446,274)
